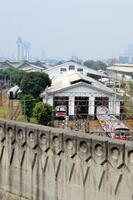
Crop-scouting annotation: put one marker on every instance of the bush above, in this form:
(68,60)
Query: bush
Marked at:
(43,113)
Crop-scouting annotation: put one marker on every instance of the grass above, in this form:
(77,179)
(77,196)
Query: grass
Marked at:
(127,105)
(4,111)
(33,120)
(21,118)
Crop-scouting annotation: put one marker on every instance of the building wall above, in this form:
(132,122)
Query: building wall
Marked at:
(56,71)
(83,92)
(41,163)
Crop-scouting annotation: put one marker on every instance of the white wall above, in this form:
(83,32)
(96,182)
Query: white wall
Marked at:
(86,92)
(55,71)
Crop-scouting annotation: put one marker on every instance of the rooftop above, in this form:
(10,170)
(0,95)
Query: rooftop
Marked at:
(122,68)
(73,78)
(91,71)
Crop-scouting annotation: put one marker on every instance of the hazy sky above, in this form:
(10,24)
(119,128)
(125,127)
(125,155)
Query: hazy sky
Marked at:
(86,28)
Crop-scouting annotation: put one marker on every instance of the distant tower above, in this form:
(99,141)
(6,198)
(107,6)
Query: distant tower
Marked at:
(23,49)
(19,49)
(26,50)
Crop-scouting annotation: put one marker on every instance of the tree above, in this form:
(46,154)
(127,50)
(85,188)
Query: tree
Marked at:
(43,113)
(100,65)
(95,65)
(17,77)
(11,75)
(34,83)
(89,63)
(28,103)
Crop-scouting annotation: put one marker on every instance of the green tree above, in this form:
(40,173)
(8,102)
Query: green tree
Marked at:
(15,76)
(34,83)
(89,63)
(95,64)
(100,65)
(28,102)
(43,113)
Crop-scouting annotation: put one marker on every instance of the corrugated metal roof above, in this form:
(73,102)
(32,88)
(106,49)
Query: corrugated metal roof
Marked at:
(121,69)
(91,71)
(65,81)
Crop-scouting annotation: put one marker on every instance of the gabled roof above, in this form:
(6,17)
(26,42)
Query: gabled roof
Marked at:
(72,79)
(18,64)
(6,64)
(27,66)
(24,63)
(40,64)
(90,71)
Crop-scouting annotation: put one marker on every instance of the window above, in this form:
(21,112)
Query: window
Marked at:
(63,69)
(71,67)
(80,69)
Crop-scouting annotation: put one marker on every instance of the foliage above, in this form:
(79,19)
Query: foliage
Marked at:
(30,83)
(43,113)
(6,74)
(13,76)
(95,64)
(89,63)
(28,102)
(126,100)
(17,77)
(34,83)
(4,111)
(131,84)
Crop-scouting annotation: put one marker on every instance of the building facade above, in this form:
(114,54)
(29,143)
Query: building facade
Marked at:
(58,70)
(81,95)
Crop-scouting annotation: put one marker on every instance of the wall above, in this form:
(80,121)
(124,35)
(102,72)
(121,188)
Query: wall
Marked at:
(85,91)
(41,163)
(55,71)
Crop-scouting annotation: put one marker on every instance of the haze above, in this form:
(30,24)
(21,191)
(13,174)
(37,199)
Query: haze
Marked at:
(90,29)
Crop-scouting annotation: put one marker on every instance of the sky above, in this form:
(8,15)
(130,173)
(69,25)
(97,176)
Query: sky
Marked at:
(89,29)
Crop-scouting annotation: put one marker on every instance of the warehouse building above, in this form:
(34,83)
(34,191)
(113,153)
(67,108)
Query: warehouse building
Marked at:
(81,95)
(58,70)
(119,71)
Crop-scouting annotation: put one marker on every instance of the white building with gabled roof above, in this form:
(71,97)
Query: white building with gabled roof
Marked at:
(81,95)
(57,70)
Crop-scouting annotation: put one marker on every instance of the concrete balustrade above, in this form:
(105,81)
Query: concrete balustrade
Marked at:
(43,163)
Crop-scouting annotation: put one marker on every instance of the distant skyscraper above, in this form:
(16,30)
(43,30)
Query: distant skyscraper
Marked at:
(23,49)
(127,56)
(19,49)
(123,59)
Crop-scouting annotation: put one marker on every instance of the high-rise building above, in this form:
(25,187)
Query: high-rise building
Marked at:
(23,49)
(127,56)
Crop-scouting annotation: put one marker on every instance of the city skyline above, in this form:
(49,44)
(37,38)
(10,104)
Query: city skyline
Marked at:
(87,29)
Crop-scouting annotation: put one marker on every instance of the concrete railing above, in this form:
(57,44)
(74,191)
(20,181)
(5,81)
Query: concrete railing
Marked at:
(41,163)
